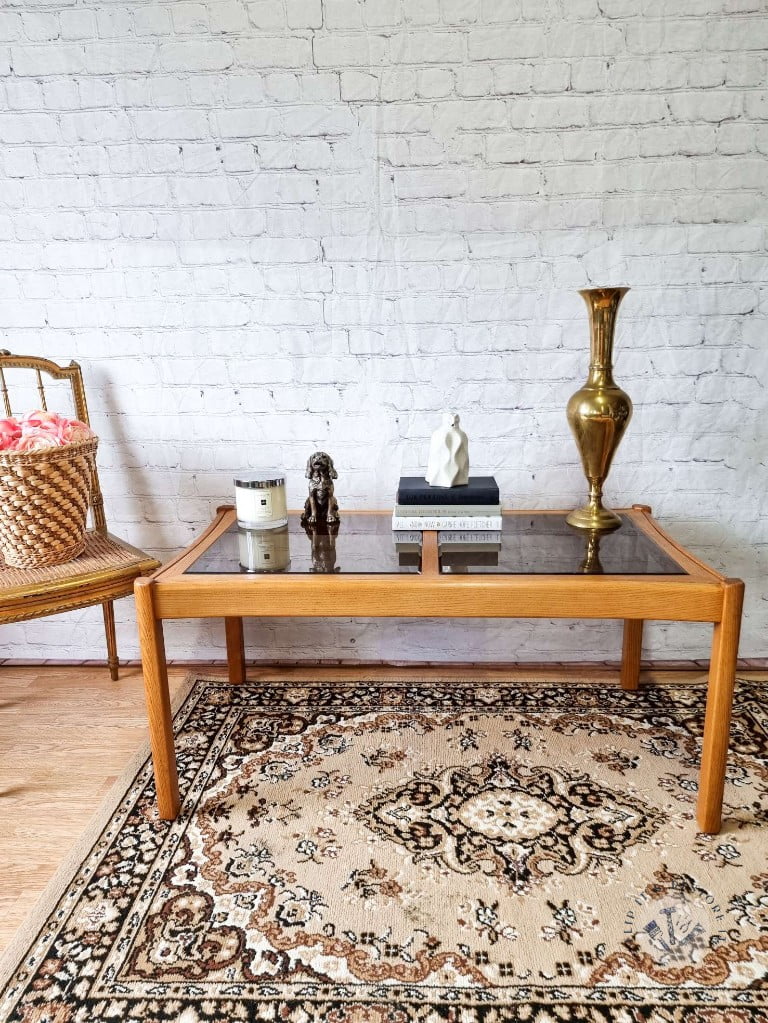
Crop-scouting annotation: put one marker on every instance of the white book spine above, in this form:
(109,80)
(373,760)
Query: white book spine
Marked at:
(455,511)
(471,523)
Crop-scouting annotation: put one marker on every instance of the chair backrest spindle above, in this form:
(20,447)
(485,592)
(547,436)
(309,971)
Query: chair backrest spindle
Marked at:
(4,389)
(41,390)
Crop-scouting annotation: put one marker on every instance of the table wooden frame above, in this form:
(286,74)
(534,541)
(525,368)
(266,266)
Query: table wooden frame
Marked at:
(700,595)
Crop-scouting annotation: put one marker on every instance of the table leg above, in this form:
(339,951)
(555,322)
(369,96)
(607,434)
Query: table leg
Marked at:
(158,701)
(630,653)
(722,672)
(233,628)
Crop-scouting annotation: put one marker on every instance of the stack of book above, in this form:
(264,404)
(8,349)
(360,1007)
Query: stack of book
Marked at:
(471,508)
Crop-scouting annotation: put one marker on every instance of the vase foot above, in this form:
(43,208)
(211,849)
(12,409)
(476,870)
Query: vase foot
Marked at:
(590,517)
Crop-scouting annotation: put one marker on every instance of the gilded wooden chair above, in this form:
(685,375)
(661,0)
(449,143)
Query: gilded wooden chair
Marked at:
(108,566)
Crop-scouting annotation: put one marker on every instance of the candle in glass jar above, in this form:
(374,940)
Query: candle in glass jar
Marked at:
(260,499)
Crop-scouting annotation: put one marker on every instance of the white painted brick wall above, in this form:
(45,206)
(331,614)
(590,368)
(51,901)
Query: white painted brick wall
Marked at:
(269,226)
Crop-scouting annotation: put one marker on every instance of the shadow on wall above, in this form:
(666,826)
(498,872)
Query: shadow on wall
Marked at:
(138,506)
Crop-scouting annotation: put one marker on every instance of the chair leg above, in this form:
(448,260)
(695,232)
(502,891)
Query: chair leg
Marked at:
(109,627)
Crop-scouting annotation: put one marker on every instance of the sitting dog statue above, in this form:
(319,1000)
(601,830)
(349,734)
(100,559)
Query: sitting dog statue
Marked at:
(321,505)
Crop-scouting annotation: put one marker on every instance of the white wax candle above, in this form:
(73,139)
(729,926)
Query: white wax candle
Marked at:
(260,499)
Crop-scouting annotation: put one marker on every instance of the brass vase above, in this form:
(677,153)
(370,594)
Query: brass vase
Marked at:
(598,413)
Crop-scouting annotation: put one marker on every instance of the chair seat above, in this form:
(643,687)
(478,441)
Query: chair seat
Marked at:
(105,570)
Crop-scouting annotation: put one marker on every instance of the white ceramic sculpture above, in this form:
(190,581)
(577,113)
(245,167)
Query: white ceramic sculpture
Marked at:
(448,463)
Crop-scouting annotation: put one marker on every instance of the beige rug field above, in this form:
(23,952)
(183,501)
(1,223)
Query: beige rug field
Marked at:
(419,851)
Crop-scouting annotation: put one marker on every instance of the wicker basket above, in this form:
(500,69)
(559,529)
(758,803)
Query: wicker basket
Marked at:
(44,498)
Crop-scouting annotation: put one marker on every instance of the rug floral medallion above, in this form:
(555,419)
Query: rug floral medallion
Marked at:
(420,852)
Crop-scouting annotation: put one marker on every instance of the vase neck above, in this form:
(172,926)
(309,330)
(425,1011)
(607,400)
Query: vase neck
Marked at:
(603,305)
(600,375)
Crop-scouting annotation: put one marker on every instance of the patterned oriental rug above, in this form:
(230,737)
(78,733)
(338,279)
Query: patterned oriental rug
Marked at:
(419,852)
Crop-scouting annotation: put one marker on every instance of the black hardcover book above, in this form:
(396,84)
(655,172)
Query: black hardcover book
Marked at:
(479,490)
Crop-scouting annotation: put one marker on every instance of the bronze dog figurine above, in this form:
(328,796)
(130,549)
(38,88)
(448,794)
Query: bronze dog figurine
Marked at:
(321,505)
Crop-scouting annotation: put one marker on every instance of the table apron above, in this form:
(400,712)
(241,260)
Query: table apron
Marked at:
(440,597)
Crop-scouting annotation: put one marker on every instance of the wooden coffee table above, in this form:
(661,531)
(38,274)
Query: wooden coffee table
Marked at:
(542,568)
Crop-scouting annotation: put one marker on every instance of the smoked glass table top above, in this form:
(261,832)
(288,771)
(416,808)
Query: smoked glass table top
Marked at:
(534,544)
(529,544)
(359,544)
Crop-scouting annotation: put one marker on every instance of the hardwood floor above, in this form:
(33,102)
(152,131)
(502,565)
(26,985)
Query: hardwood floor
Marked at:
(68,733)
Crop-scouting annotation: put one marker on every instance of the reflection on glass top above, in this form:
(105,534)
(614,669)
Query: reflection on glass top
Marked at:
(359,543)
(546,545)
(535,544)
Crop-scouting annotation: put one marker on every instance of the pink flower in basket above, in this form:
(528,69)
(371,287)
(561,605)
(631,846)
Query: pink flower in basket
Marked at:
(45,424)
(10,431)
(41,430)
(36,440)
(77,431)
